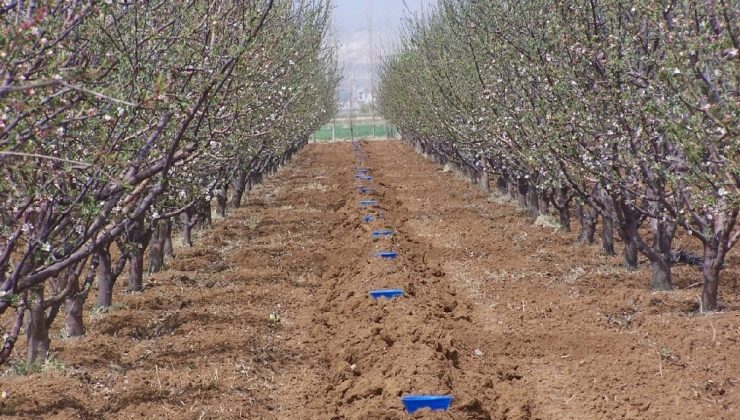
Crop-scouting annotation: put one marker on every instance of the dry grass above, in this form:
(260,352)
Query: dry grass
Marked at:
(547,221)
(498,198)
(313,186)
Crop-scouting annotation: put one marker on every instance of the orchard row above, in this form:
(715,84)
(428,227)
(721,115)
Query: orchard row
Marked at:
(626,111)
(120,120)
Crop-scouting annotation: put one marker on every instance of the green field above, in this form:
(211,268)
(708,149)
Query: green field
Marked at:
(361,130)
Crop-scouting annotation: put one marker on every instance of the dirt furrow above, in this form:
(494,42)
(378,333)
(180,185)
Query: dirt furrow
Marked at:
(368,354)
(513,319)
(268,316)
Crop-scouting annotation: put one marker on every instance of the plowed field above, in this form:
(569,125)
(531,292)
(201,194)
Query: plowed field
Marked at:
(268,315)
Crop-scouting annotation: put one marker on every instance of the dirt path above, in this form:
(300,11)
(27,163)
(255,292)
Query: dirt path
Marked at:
(268,316)
(513,320)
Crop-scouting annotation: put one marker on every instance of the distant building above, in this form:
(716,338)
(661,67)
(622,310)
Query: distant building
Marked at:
(364,97)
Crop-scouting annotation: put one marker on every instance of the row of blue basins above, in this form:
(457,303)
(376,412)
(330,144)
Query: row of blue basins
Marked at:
(371,214)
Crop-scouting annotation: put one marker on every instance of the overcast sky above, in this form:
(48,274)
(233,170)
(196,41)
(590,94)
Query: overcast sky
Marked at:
(354,20)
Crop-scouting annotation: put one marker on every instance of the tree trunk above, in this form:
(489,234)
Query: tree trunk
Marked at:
(587,220)
(532,202)
(37,330)
(564,218)
(205,218)
(521,191)
(187,228)
(105,278)
(543,203)
(138,237)
(607,236)
(628,234)
(562,204)
(660,255)
(501,185)
(168,248)
(511,188)
(221,200)
(660,278)
(73,304)
(607,228)
(240,185)
(710,273)
(483,180)
(156,247)
(136,272)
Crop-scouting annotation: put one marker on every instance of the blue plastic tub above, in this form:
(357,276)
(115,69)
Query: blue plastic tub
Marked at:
(383,233)
(363,190)
(368,203)
(413,403)
(368,218)
(387,255)
(386,293)
(364,177)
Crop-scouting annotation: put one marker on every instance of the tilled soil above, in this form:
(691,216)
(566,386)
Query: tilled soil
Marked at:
(268,315)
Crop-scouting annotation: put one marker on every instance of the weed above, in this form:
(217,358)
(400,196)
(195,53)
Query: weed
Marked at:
(98,311)
(24,368)
(547,221)
(498,198)
(53,364)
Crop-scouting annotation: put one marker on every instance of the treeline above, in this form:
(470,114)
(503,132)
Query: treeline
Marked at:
(122,120)
(624,111)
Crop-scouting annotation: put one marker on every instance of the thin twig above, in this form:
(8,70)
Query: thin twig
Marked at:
(34,155)
(97,94)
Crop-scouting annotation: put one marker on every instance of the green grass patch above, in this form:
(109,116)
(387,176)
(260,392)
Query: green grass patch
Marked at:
(342,131)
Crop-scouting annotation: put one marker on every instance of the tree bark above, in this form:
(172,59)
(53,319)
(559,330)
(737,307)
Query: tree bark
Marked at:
(587,220)
(607,236)
(73,304)
(628,233)
(37,330)
(501,185)
(205,218)
(543,203)
(136,272)
(660,278)
(561,202)
(221,200)
(105,278)
(532,202)
(660,257)
(713,261)
(240,185)
(522,185)
(138,238)
(156,246)
(186,228)
(168,248)
(607,227)
(483,180)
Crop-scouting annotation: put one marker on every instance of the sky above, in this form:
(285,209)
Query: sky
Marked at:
(355,21)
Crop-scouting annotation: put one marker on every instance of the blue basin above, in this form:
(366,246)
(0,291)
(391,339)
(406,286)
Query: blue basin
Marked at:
(384,233)
(412,403)
(368,218)
(386,293)
(387,255)
(368,203)
(364,177)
